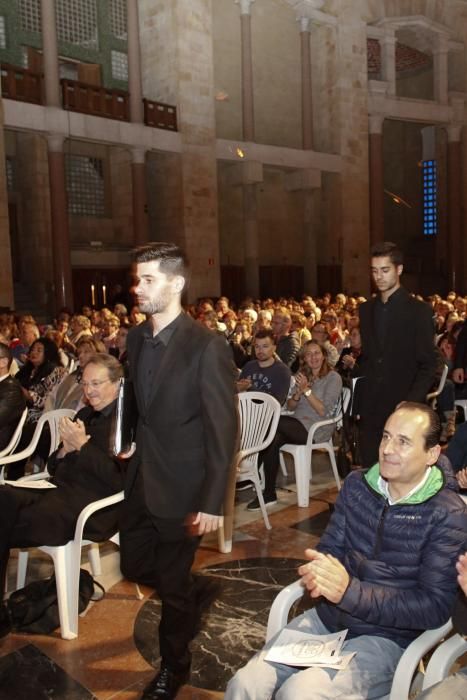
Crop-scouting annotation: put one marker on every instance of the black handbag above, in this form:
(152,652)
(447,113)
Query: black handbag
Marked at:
(34,608)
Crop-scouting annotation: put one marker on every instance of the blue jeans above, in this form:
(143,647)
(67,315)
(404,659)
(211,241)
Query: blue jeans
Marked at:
(368,676)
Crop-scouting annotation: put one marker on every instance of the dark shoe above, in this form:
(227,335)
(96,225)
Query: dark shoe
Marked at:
(165,685)
(243,485)
(268,501)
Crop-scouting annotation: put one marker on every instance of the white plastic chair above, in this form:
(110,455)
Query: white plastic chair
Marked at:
(302,454)
(67,563)
(259,415)
(433,395)
(409,661)
(462,403)
(16,435)
(52,418)
(443,658)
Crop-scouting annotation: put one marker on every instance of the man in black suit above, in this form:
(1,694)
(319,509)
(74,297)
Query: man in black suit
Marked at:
(83,470)
(12,400)
(398,360)
(185,440)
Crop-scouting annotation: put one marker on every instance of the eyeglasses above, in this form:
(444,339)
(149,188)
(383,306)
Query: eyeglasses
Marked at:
(95,384)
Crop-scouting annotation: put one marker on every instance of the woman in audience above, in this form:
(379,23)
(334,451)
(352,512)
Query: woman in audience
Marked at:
(40,374)
(349,356)
(313,398)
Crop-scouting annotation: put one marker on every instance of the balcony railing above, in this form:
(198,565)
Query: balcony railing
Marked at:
(21,84)
(94,99)
(27,86)
(160,115)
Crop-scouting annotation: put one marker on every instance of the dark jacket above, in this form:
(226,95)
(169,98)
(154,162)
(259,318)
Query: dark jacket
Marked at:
(12,404)
(402,368)
(186,435)
(400,558)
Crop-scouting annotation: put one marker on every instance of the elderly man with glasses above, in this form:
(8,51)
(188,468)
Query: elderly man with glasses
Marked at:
(82,470)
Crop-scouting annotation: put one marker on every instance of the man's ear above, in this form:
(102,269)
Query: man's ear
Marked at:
(179,283)
(400,270)
(432,455)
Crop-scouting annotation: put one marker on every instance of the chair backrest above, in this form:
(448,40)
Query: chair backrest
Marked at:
(52,418)
(16,435)
(431,397)
(259,416)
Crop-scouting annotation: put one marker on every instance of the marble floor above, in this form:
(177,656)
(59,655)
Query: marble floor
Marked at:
(115,653)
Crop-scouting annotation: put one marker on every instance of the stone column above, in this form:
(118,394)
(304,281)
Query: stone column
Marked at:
(455,246)
(440,69)
(250,222)
(375,138)
(388,61)
(134,63)
(307,94)
(59,219)
(138,181)
(6,272)
(50,54)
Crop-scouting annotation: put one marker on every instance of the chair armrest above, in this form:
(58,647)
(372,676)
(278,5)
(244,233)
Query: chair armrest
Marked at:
(322,424)
(443,658)
(92,508)
(280,608)
(35,477)
(411,658)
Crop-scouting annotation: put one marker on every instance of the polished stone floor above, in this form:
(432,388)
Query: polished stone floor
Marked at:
(116,653)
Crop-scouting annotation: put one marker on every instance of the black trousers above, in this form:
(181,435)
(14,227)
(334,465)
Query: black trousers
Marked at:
(159,553)
(290,430)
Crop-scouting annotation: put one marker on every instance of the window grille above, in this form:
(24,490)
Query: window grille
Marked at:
(77,22)
(119,65)
(30,15)
(430,204)
(85,185)
(2,33)
(118,19)
(10,174)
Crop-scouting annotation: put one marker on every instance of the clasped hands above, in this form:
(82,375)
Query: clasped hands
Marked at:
(324,575)
(301,383)
(73,435)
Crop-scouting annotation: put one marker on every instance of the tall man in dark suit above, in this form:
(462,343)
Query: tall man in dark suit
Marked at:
(184,385)
(398,361)
(12,400)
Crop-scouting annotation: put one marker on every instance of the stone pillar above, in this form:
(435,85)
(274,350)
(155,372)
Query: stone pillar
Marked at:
(250,222)
(455,246)
(134,63)
(440,69)
(6,272)
(376,178)
(307,93)
(388,61)
(50,54)
(59,219)
(138,181)
(248,112)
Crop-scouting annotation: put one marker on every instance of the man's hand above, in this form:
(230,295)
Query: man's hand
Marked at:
(204,523)
(461,477)
(458,375)
(461,567)
(73,435)
(244,384)
(324,576)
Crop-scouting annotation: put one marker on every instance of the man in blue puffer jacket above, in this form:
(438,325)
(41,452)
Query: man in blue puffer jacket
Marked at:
(384,568)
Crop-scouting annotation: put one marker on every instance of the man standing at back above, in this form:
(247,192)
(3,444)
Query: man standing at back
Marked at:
(398,361)
(184,385)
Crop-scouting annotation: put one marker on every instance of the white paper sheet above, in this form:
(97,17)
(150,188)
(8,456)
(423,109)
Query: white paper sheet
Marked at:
(30,484)
(296,648)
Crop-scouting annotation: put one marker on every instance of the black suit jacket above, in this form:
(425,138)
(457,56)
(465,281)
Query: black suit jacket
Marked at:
(186,435)
(404,368)
(12,403)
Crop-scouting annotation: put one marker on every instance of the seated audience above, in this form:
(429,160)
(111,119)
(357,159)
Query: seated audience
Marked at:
(83,470)
(28,332)
(12,401)
(320,334)
(383,569)
(266,373)
(287,342)
(348,360)
(313,398)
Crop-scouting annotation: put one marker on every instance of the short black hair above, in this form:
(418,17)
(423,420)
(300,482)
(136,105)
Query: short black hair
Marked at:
(433,433)
(389,250)
(172,260)
(265,333)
